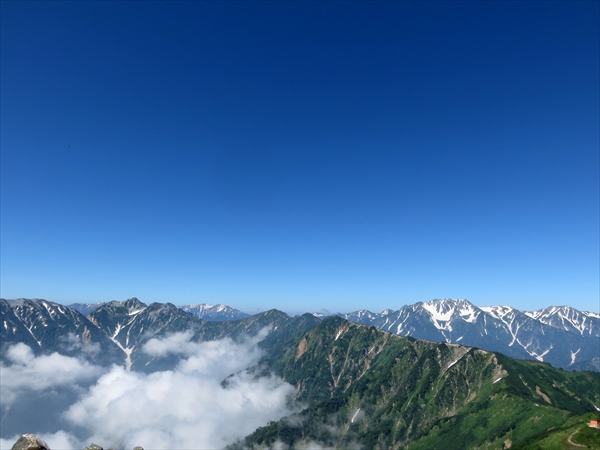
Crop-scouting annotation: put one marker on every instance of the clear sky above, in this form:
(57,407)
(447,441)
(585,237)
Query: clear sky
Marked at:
(305,156)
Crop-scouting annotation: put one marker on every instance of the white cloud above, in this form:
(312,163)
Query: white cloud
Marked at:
(182,408)
(216,359)
(28,372)
(186,407)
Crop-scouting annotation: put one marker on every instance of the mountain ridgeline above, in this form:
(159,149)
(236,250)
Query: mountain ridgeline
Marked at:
(115,332)
(561,336)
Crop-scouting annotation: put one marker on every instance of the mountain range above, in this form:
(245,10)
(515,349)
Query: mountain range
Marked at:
(213,313)
(562,336)
(358,385)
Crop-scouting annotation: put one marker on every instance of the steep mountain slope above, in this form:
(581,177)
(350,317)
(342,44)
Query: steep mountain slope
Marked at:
(214,313)
(373,389)
(564,337)
(49,327)
(131,323)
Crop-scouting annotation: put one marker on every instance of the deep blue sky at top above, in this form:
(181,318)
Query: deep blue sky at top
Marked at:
(301,155)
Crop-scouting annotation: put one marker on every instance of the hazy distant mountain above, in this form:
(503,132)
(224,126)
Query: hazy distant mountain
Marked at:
(562,336)
(85,308)
(214,313)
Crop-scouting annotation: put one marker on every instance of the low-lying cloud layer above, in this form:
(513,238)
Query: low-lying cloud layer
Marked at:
(182,408)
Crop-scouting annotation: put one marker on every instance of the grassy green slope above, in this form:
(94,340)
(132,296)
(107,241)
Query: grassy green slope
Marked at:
(370,388)
(573,434)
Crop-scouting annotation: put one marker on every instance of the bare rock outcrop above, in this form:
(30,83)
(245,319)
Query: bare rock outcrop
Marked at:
(30,442)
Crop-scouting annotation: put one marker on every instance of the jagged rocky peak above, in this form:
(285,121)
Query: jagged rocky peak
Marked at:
(274,313)
(158,311)
(133,304)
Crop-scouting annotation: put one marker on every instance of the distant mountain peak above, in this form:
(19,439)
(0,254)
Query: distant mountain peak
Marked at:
(133,303)
(214,313)
(443,310)
(85,308)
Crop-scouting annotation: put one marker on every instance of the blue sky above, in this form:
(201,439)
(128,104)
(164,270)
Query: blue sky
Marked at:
(305,156)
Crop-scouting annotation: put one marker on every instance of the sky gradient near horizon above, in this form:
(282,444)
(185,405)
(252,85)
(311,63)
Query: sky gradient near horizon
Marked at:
(305,156)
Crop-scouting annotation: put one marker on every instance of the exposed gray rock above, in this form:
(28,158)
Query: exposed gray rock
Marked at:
(94,447)
(30,442)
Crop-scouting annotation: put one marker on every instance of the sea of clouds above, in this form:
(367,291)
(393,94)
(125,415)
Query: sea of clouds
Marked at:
(188,407)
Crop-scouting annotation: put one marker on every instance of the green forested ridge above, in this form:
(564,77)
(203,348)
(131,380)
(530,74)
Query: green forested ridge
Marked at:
(368,388)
